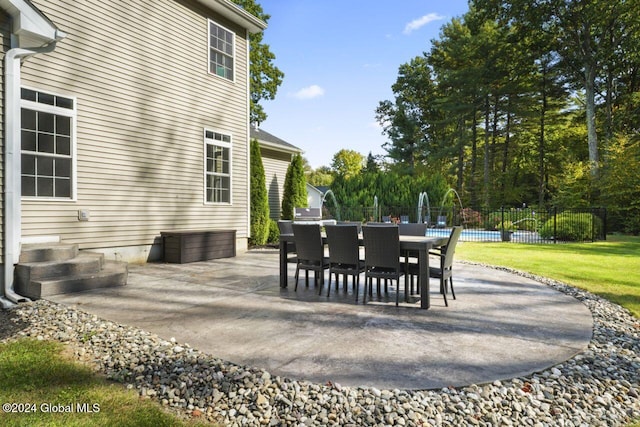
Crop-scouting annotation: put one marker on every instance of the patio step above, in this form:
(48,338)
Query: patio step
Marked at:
(41,252)
(51,269)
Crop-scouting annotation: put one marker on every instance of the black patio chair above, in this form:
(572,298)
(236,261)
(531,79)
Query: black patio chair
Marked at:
(445,271)
(411,257)
(344,255)
(285,227)
(412,229)
(310,253)
(381,257)
(358,224)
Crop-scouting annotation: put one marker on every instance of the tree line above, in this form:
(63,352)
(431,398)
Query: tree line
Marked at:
(526,101)
(516,102)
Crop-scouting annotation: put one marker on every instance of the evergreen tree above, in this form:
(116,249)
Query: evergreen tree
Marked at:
(259,201)
(371,164)
(295,188)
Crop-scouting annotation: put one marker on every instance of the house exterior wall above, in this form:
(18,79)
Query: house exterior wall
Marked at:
(275,165)
(314,197)
(139,74)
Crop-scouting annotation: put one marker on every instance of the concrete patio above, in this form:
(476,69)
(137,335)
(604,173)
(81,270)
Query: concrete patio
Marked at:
(501,326)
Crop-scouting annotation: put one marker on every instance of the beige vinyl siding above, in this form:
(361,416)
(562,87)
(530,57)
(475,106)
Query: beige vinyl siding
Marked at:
(5,42)
(144,97)
(275,165)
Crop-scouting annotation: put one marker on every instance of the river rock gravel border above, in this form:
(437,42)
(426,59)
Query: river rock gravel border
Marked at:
(598,387)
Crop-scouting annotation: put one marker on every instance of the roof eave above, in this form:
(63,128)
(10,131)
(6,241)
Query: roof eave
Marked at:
(279,147)
(30,26)
(236,14)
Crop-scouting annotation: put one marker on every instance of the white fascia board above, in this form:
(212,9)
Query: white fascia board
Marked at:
(278,147)
(235,14)
(31,27)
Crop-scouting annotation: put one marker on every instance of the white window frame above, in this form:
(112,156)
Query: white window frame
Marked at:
(225,145)
(210,48)
(52,109)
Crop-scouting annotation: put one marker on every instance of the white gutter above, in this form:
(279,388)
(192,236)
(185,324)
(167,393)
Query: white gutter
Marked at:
(12,167)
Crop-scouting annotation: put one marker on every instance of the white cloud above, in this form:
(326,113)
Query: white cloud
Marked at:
(421,22)
(309,92)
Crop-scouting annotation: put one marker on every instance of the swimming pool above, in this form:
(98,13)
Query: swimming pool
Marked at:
(484,235)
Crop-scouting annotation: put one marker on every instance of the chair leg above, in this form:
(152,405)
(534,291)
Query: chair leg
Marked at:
(296,277)
(319,282)
(451,284)
(356,283)
(398,289)
(444,291)
(367,284)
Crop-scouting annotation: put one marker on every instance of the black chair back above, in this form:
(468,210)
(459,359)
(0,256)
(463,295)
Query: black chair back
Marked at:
(308,240)
(412,229)
(381,247)
(357,224)
(285,226)
(343,244)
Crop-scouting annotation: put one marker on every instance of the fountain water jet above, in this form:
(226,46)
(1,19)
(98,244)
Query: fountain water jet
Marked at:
(335,202)
(421,198)
(444,199)
(376,214)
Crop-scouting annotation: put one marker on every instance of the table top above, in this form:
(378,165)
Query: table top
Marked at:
(406,242)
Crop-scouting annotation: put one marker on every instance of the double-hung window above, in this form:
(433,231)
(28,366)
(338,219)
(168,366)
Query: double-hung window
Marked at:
(221,52)
(217,147)
(48,122)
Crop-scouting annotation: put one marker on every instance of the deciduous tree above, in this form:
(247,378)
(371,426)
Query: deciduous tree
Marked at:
(265,77)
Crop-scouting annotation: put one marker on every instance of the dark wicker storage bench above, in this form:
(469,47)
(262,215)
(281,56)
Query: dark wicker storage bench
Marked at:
(182,246)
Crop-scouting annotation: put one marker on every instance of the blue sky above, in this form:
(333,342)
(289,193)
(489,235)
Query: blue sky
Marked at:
(340,58)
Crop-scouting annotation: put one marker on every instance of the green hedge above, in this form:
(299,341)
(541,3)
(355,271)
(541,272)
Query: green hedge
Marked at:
(274,232)
(572,226)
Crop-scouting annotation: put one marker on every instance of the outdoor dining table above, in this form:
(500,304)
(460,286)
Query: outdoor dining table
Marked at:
(419,244)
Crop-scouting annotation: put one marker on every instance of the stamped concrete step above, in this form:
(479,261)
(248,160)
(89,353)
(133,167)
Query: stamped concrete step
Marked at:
(113,274)
(83,263)
(43,252)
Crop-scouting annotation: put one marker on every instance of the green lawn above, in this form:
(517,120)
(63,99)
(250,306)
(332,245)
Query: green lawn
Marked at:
(54,391)
(608,268)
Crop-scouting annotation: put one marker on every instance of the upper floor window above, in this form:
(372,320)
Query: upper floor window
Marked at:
(221,52)
(47,125)
(217,167)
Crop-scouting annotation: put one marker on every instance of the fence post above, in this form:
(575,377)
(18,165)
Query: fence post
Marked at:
(555,225)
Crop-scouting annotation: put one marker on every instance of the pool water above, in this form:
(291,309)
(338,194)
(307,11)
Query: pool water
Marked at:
(482,235)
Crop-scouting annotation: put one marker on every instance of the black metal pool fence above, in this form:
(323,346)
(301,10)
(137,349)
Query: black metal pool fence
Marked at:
(522,225)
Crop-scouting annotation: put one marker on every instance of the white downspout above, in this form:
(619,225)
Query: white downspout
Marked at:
(12,168)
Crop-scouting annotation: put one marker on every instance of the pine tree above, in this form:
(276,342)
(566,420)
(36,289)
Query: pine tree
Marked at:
(295,188)
(259,199)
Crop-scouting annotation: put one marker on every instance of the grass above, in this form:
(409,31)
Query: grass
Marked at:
(39,374)
(608,268)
